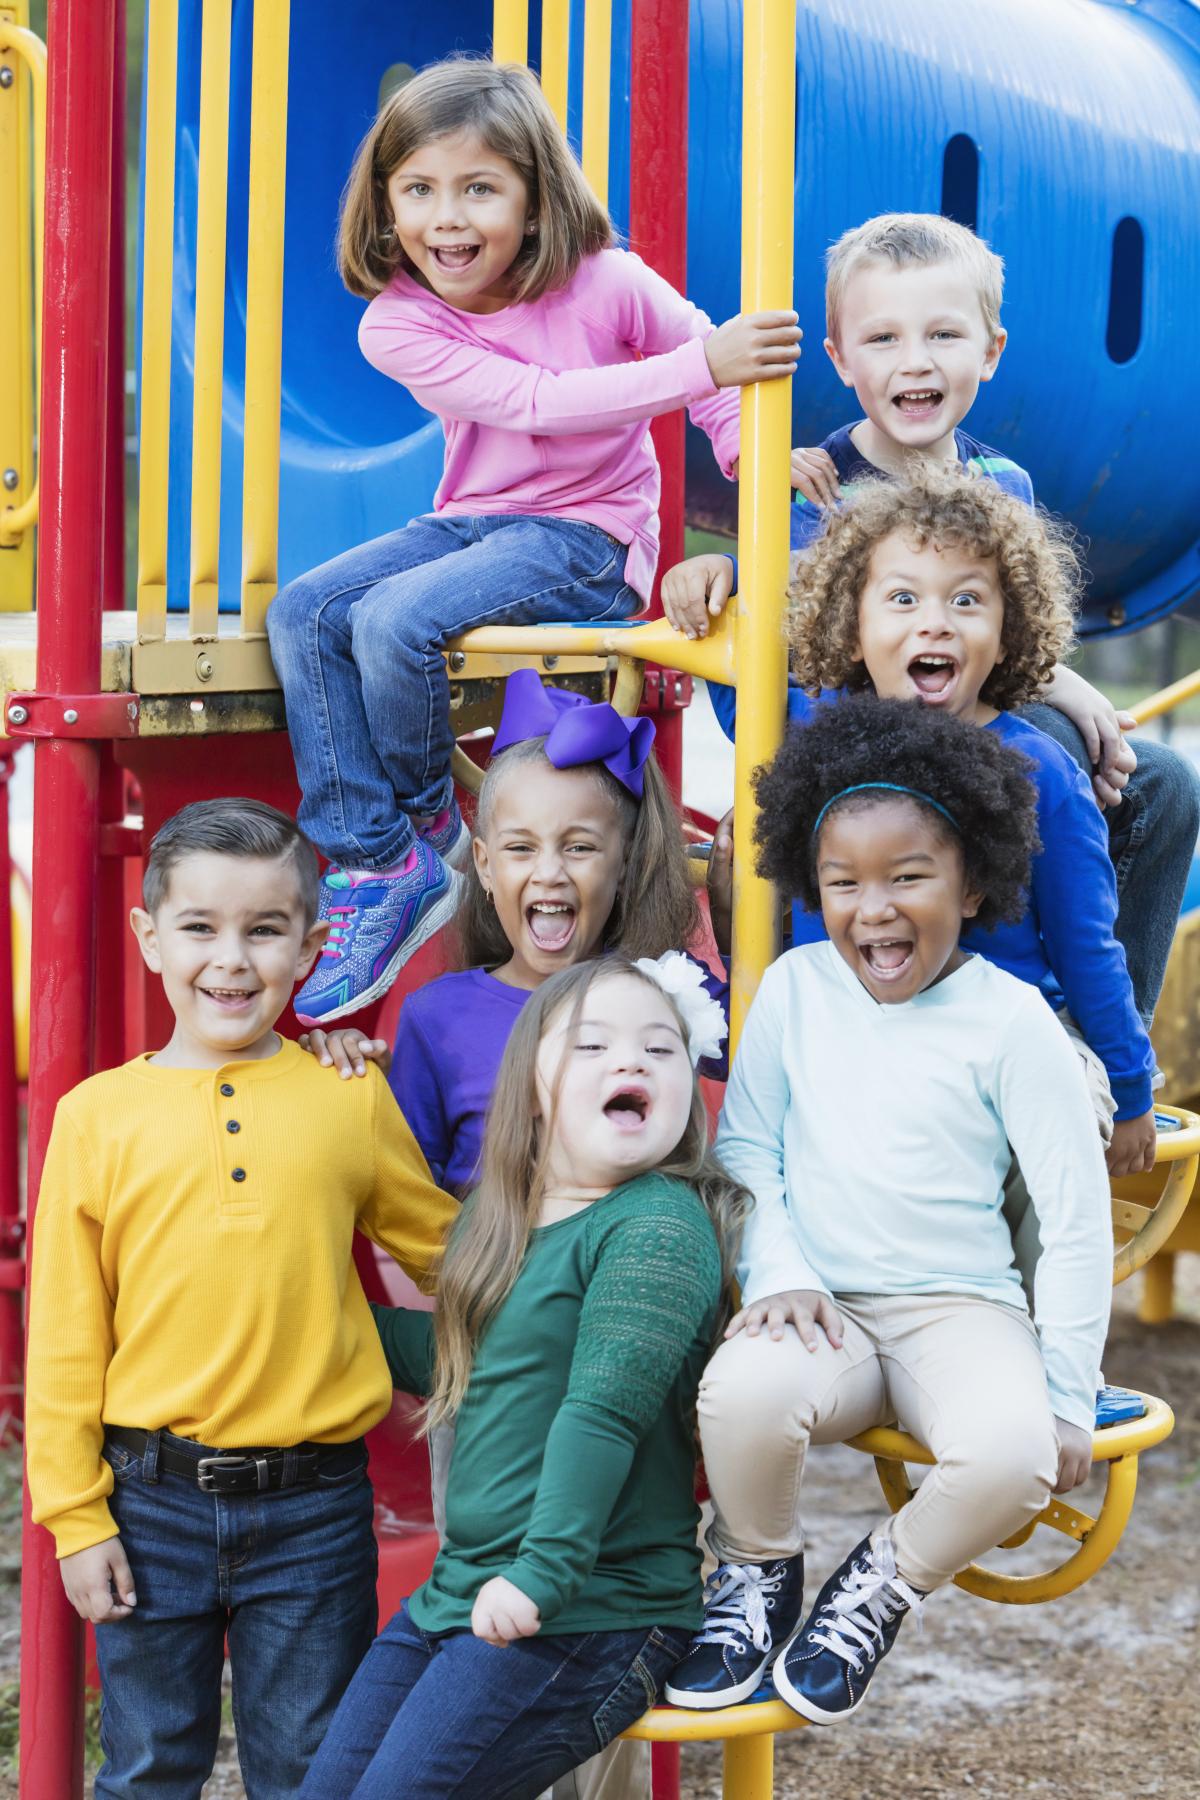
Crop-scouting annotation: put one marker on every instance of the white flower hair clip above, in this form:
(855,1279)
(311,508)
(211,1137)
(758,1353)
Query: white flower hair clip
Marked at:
(677,975)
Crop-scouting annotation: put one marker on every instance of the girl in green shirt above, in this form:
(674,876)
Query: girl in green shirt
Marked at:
(578,1298)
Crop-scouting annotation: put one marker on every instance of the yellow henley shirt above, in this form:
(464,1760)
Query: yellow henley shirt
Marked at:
(192,1266)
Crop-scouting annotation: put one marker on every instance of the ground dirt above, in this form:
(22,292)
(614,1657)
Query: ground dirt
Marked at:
(1096,1697)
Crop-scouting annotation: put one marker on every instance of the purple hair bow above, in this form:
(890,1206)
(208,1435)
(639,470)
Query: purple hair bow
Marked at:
(576,730)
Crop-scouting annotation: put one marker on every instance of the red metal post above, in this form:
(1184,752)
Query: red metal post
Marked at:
(11,1228)
(658,152)
(113,579)
(74,435)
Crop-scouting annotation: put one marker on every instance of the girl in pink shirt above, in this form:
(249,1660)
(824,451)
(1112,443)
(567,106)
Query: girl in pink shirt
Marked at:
(498,299)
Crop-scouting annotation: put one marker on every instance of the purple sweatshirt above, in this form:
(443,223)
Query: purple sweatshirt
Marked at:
(449,1042)
(546,404)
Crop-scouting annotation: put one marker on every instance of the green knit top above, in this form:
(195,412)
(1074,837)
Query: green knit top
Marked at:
(573,1471)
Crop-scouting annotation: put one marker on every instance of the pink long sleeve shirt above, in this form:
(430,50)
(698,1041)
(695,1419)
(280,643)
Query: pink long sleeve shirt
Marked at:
(546,404)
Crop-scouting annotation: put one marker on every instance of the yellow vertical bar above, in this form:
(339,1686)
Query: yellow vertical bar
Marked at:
(158,236)
(768,156)
(210,317)
(22,209)
(750,1761)
(597,83)
(264,312)
(510,31)
(556,53)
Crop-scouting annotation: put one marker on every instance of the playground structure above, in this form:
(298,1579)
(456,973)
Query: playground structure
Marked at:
(183,703)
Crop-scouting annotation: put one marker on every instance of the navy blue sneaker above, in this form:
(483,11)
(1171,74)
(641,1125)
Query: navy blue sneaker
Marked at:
(750,1611)
(378,920)
(826,1670)
(449,835)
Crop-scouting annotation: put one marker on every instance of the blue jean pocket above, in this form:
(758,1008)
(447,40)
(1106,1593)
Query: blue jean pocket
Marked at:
(639,1688)
(123,1463)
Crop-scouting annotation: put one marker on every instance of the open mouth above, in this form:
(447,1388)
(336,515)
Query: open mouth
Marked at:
(628,1108)
(551,924)
(454,258)
(918,403)
(231,999)
(934,677)
(889,959)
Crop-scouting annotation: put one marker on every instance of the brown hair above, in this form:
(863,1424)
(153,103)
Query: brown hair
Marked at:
(233,828)
(913,240)
(1037,567)
(487,1245)
(502,104)
(655,908)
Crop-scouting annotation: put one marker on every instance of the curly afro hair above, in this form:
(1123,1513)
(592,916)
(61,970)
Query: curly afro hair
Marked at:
(860,739)
(1038,570)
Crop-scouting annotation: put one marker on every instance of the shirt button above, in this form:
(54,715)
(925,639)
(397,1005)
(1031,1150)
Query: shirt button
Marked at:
(238,1174)
(227,1090)
(232,1125)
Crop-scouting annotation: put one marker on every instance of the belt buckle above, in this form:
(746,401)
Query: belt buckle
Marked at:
(206,1479)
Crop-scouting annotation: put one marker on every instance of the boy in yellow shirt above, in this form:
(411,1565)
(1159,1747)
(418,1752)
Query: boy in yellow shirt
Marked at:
(202,1361)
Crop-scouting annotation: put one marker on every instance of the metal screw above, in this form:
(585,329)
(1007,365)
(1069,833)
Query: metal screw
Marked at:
(132,710)
(196,706)
(204,668)
(18,715)
(1116,615)
(458,661)
(6,77)
(70,716)
(549,662)
(10,478)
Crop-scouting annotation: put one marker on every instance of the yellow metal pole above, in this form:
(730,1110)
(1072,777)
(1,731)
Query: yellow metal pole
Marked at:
(1167,698)
(210,317)
(749,1763)
(264,313)
(20,328)
(597,83)
(768,137)
(556,51)
(158,233)
(510,31)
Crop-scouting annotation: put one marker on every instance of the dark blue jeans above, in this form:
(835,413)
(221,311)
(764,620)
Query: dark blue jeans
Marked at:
(1152,840)
(357,648)
(453,1718)
(289,1577)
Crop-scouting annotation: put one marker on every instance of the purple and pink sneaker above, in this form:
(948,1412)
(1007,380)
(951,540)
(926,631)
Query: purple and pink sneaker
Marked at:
(378,920)
(450,835)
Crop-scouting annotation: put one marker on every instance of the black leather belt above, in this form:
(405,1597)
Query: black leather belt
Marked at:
(257,1471)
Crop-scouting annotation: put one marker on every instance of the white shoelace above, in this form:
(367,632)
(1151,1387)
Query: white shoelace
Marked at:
(852,1623)
(735,1606)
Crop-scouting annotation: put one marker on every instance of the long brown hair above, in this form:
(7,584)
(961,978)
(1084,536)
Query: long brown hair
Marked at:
(655,909)
(502,104)
(487,1246)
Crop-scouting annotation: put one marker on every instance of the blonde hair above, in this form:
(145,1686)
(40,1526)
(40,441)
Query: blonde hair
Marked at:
(913,240)
(655,908)
(487,1245)
(1036,565)
(502,104)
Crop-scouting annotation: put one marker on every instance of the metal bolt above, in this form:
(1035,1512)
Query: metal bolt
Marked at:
(1116,615)
(196,706)
(204,668)
(458,661)
(10,478)
(132,710)
(6,77)
(18,715)
(549,662)
(70,716)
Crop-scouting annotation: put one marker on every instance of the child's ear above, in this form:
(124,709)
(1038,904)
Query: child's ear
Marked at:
(482,866)
(141,923)
(995,351)
(971,904)
(832,352)
(310,947)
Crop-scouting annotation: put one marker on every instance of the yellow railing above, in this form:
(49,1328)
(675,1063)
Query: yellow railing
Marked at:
(510,43)
(1167,699)
(22,335)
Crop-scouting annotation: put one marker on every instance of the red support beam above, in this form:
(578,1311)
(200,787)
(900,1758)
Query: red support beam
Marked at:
(658,155)
(12,1244)
(75,434)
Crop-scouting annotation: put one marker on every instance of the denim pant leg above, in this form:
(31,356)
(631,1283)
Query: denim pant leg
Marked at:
(348,801)
(160,1668)
(453,1718)
(1152,840)
(518,571)
(301,1568)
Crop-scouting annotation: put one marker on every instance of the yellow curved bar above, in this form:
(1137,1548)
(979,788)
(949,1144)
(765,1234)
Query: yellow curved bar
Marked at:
(154,389)
(768,161)
(556,51)
(264,313)
(510,31)
(15,521)
(207,391)
(674,1725)
(1152,1233)
(1167,698)
(597,82)
(710,657)
(1128,1438)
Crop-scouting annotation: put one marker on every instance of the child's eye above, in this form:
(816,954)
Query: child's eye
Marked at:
(589,1046)
(479,187)
(582,846)
(966,598)
(882,337)
(265,931)
(661,1049)
(903,597)
(946,332)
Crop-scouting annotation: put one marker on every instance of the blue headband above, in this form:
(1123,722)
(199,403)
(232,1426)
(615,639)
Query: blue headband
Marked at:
(891,787)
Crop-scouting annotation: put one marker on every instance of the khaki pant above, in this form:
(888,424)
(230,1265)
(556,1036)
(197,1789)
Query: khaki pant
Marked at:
(963,1374)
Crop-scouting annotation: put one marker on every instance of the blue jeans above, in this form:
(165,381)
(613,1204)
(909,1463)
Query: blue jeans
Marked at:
(453,1718)
(1152,840)
(289,1577)
(356,645)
